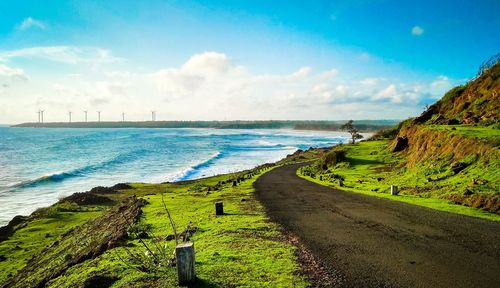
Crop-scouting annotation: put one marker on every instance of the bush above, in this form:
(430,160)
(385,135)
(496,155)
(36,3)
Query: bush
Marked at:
(331,159)
(383,134)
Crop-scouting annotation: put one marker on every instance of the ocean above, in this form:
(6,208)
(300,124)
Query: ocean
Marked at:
(39,166)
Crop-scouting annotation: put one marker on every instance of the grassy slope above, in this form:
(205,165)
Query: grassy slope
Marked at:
(488,133)
(33,238)
(241,248)
(369,160)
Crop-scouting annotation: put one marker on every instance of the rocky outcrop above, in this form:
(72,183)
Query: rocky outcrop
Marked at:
(400,144)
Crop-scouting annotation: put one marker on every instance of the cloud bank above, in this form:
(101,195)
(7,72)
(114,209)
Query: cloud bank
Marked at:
(207,86)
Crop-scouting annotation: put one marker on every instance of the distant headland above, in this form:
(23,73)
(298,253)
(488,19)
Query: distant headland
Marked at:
(362,125)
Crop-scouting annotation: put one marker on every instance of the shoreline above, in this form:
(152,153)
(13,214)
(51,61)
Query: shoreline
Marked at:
(154,162)
(244,215)
(188,195)
(367,126)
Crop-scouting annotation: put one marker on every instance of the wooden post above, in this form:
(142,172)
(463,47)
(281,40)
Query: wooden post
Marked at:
(394,190)
(219,208)
(184,254)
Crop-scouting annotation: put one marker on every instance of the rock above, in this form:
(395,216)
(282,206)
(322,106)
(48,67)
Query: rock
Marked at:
(439,120)
(468,192)
(7,231)
(457,167)
(87,198)
(476,181)
(401,144)
(100,281)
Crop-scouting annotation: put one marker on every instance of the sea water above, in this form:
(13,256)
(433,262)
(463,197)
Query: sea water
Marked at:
(39,166)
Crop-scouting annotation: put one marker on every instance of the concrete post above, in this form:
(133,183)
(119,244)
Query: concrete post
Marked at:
(184,254)
(219,208)
(394,190)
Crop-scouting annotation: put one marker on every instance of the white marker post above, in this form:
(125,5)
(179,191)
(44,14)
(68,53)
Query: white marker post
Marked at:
(185,263)
(394,190)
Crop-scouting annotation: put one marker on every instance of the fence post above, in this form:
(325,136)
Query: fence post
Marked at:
(184,254)
(219,208)
(394,190)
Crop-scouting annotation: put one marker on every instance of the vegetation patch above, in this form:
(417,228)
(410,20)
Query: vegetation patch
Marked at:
(425,179)
(240,248)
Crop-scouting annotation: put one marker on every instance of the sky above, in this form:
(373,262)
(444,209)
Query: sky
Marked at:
(238,60)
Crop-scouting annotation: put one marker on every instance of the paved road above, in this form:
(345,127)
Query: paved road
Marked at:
(376,242)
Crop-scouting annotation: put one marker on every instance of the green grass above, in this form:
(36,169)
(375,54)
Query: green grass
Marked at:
(371,168)
(33,238)
(491,133)
(239,249)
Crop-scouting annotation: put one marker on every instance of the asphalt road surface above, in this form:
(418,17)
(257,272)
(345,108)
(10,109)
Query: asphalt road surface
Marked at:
(375,242)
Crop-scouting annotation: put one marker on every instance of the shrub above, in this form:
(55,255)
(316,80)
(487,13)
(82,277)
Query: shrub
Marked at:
(331,159)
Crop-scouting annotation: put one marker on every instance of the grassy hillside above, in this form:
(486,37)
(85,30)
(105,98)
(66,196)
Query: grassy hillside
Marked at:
(434,160)
(101,237)
(477,102)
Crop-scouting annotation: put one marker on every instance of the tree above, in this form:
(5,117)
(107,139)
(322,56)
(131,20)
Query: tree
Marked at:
(349,127)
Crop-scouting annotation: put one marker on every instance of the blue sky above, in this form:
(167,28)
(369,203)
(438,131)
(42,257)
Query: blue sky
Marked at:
(319,60)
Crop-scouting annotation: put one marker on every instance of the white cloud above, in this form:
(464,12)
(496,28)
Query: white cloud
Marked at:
(370,81)
(112,88)
(31,23)
(10,76)
(17,73)
(389,93)
(208,64)
(417,30)
(63,54)
(210,86)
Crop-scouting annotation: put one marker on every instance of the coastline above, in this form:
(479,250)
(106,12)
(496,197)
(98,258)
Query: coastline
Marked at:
(244,222)
(248,221)
(299,125)
(65,161)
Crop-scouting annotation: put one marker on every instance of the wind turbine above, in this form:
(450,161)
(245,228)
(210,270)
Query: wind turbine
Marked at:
(41,113)
(85,115)
(123,116)
(153,115)
(98,116)
(69,113)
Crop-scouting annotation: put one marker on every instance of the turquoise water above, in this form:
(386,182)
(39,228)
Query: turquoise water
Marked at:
(38,166)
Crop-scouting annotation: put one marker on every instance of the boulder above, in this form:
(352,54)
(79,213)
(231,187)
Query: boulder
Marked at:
(401,144)
(457,167)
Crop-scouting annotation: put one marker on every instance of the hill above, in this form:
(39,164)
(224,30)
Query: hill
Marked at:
(477,102)
(448,155)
